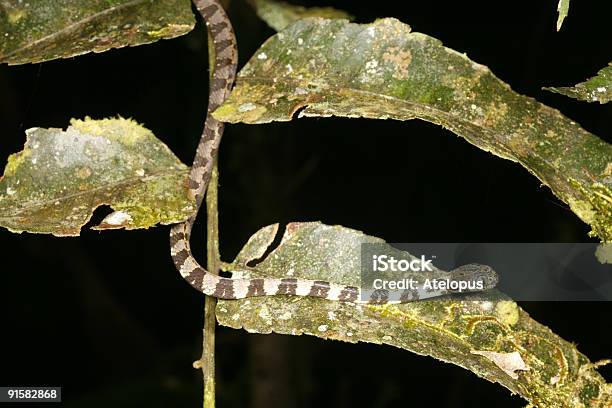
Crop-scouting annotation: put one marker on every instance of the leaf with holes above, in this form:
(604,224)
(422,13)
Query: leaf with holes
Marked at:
(596,89)
(60,177)
(489,335)
(279,14)
(384,71)
(42,30)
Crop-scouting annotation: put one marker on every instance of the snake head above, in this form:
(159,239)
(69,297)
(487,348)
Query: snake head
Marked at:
(477,272)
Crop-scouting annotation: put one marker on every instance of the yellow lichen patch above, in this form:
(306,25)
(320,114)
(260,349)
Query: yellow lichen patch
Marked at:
(127,131)
(248,112)
(598,207)
(582,209)
(15,160)
(602,194)
(169,31)
(603,253)
(507,312)
(15,15)
(388,310)
(83,172)
(474,321)
(400,59)
(563,369)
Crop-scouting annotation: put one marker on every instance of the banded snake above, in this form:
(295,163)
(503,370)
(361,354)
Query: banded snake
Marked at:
(224,74)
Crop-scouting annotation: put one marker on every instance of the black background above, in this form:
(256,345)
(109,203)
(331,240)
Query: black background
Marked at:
(107,317)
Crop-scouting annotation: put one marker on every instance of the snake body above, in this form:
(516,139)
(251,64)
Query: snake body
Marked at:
(210,284)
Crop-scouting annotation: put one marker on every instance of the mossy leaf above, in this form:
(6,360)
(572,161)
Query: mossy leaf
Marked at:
(488,334)
(596,89)
(562,9)
(60,177)
(42,30)
(384,71)
(280,14)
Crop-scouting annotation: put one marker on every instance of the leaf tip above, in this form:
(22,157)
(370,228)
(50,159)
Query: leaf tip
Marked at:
(562,9)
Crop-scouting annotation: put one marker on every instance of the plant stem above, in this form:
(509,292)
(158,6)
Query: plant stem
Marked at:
(208,347)
(212,255)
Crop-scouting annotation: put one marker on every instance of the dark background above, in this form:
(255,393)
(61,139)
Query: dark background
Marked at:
(106,315)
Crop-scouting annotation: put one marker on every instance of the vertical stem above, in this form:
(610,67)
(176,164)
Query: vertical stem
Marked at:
(208,350)
(212,256)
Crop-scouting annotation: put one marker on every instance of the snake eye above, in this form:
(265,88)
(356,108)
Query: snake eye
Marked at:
(477,273)
(489,279)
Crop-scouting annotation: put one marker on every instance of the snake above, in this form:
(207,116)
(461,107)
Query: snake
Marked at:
(224,74)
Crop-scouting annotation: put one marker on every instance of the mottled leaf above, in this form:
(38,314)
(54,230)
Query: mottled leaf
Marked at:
(42,30)
(54,184)
(280,14)
(562,9)
(596,89)
(384,71)
(491,336)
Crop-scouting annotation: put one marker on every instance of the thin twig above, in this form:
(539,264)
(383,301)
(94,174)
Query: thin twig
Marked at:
(212,256)
(208,346)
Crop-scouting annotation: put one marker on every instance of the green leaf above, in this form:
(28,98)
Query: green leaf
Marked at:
(596,89)
(60,177)
(42,30)
(384,71)
(563,9)
(279,14)
(492,336)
